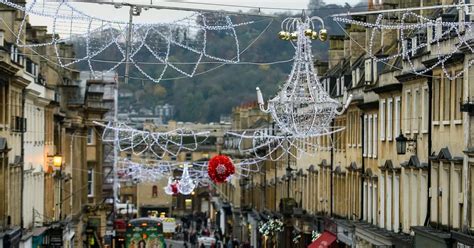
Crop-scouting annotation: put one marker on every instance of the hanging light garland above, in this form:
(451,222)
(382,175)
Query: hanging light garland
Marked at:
(461,31)
(160,144)
(101,36)
(198,172)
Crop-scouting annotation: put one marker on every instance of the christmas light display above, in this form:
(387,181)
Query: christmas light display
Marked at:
(271,227)
(302,109)
(220,168)
(196,172)
(186,184)
(68,22)
(435,34)
(160,144)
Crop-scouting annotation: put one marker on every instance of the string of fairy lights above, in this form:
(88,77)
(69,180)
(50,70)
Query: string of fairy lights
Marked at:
(435,31)
(159,40)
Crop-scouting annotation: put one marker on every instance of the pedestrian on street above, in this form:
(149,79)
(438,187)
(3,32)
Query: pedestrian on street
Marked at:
(193,239)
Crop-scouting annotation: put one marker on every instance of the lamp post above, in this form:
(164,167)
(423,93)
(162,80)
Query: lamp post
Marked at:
(58,166)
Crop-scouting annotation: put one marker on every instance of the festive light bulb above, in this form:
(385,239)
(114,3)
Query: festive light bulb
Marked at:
(323,34)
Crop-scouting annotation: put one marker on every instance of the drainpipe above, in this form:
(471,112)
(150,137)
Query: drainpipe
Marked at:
(467,139)
(22,155)
(362,179)
(332,174)
(430,142)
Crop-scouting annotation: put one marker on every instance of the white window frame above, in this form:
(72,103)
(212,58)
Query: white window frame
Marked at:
(369,136)
(91,182)
(397,115)
(354,83)
(425,109)
(413,45)
(382,119)
(438,28)
(457,121)
(338,90)
(375,135)
(406,116)
(389,119)
(414,113)
(429,37)
(365,137)
(368,70)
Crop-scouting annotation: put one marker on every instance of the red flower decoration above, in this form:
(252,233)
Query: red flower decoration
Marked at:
(220,167)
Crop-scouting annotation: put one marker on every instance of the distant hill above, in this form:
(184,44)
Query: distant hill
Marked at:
(204,98)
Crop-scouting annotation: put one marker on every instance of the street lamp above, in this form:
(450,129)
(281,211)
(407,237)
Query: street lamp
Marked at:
(401,143)
(57,161)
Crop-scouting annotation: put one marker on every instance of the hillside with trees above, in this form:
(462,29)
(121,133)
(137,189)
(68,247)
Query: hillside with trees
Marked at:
(217,88)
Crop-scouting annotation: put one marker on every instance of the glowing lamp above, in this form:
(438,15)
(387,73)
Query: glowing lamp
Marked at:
(57,161)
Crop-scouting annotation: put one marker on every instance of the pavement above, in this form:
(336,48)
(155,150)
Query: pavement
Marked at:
(174,243)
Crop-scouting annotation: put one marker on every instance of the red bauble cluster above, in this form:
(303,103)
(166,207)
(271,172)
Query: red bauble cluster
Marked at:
(174,188)
(220,167)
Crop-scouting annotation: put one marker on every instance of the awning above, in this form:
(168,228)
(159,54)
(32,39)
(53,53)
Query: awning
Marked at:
(326,239)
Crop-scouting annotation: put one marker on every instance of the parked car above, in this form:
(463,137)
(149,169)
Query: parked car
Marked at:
(206,241)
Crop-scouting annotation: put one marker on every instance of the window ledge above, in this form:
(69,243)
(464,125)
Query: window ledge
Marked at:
(446,122)
(435,122)
(457,122)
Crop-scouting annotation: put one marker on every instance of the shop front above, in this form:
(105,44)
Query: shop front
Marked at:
(430,237)
(39,237)
(345,233)
(12,238)
(368,235)
(460,239)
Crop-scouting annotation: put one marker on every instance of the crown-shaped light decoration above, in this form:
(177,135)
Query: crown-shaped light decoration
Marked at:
(302,108)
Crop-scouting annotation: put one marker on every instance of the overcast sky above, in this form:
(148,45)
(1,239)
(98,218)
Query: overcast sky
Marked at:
(109,12)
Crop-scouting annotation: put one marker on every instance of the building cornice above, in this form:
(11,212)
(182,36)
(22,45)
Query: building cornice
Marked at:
(388,88)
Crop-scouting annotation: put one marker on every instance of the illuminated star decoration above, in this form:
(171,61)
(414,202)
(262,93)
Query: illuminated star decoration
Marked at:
(101,37)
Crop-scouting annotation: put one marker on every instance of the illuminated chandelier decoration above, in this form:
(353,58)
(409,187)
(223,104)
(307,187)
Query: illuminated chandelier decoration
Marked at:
(160,144)
(102,37)
(435,34)
(302,108)
(186,184)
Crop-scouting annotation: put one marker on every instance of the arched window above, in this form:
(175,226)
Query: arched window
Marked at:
(154,191)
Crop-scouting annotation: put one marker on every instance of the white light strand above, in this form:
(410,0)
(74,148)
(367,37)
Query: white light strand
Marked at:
(264,146)
(102,36)
(154,170)
(160,144)
(436,43)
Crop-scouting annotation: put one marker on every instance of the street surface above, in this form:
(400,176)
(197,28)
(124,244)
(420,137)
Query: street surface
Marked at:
(174,244)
